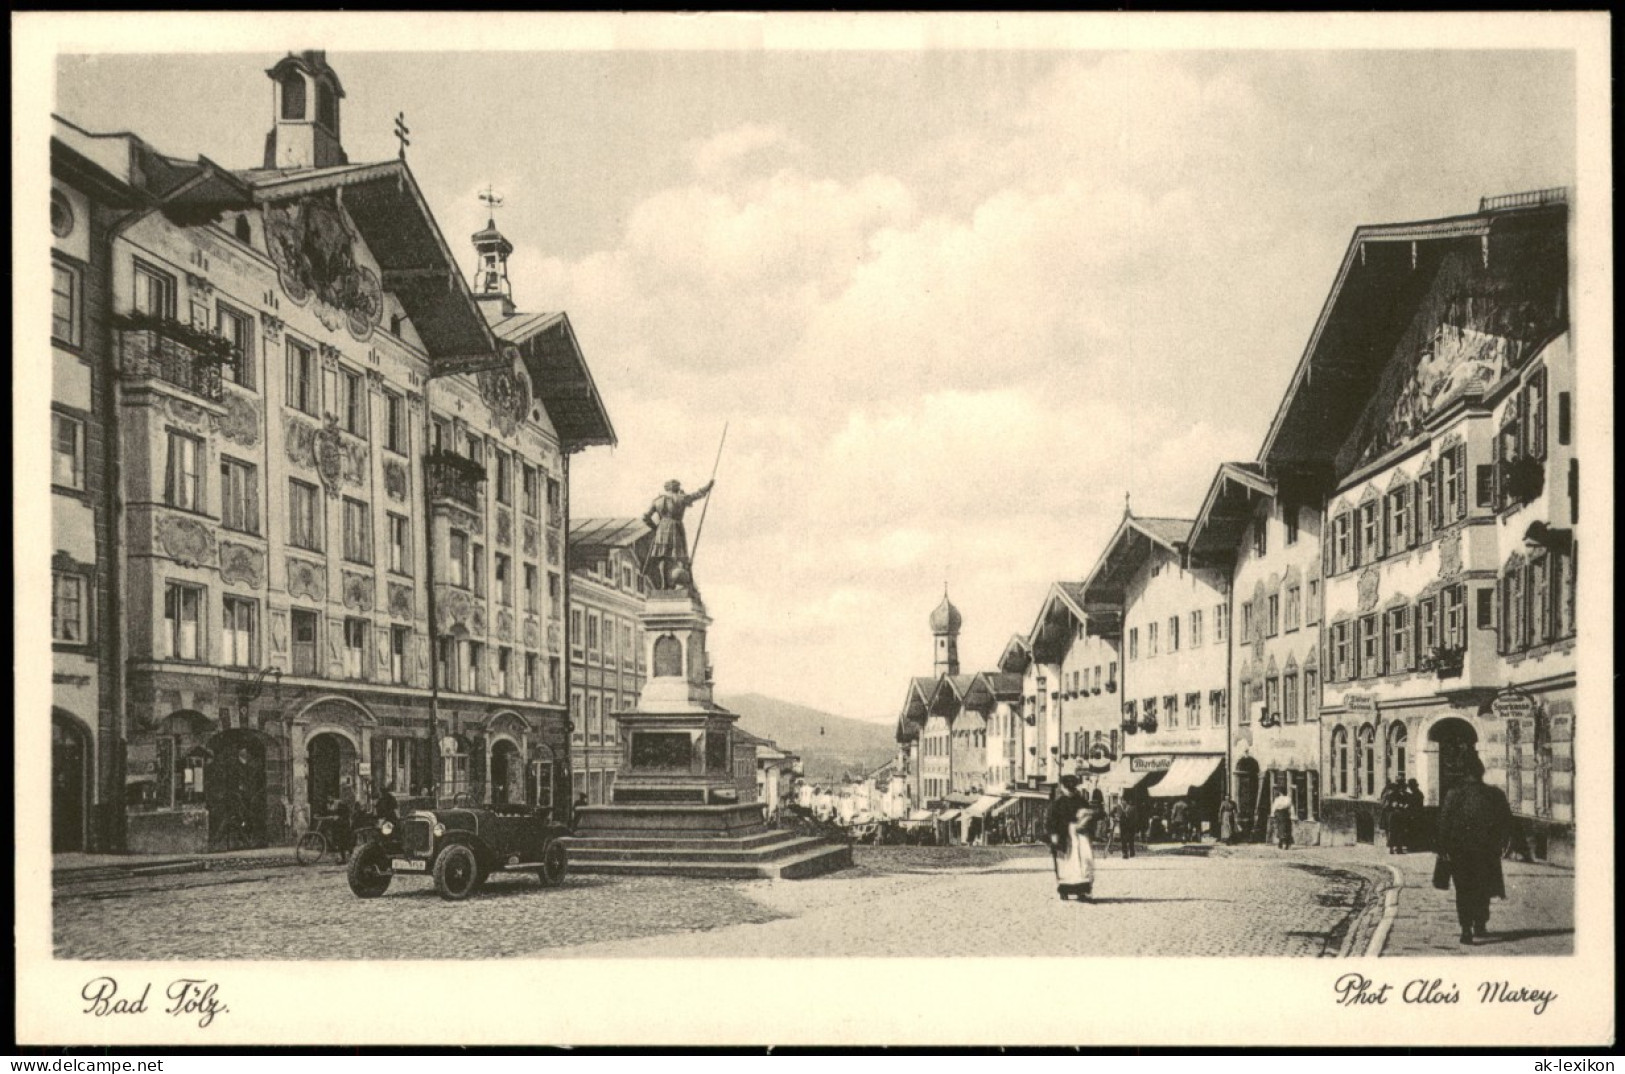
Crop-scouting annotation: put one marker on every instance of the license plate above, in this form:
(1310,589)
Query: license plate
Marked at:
(406,865)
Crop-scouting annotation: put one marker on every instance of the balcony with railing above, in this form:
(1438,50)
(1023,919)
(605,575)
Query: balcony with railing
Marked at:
(449,476)
(173,352)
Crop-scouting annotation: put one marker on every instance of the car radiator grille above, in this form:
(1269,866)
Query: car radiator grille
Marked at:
(415,836)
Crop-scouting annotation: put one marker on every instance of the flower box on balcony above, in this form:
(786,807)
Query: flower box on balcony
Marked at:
(1445,662)
(1522,479)
(1149,725)
(1095,691)
(1130,726)
(1111,687)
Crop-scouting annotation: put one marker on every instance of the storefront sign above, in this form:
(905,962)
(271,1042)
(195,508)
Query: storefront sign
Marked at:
(1513,705)
(1159,762)
(1361,704)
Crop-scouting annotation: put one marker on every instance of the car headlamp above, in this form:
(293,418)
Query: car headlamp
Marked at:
(439,830)
(386,828)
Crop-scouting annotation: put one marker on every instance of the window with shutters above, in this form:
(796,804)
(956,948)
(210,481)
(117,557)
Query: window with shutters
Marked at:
(399,639)
(1399,519)
(1399,639)
(1427,626)
(1246,622)
(1342,544)
(476,568)
(1294,607)
(457,558)
(66,300)
(306,516)
(1455,616)
(1193,711)
(1534,409)
(1289,517)
(1370,533)
(1540,600)
(304,641)
(1261,532)
(1170,705)
(69,614)
(1371,662)
(1424,507)
(1453,485)
(1195,634)
(1289,697)
(1151,639)
(1311,695)
(396,437)
(1340,760)
(1173,634)
(1221,627)
(1134,643)
(1274,615)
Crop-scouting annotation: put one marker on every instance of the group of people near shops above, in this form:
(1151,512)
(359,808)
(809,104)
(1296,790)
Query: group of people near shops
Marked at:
(1402,804)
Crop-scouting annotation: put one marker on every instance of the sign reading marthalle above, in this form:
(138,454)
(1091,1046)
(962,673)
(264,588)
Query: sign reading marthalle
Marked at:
(1159,762)
(1361,704)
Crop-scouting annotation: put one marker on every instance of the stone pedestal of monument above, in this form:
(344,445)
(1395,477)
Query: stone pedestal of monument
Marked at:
(678,806)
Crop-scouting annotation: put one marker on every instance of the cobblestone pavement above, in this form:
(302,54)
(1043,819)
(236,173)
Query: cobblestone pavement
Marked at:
(1168,903)
(891,904)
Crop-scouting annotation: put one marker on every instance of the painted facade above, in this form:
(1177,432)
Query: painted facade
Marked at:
(328,459)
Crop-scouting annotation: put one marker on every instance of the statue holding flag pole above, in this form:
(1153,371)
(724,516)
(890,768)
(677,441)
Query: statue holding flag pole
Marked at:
(669,565)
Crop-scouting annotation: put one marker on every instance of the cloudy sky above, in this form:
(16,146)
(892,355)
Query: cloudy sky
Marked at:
(953,304)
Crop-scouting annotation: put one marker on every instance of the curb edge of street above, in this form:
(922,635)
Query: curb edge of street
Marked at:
(1390,910)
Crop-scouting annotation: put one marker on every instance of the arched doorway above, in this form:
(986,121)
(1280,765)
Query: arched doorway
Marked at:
(70,784)
(507,774)
(330,771)
(1455,742)
(1247,793)
(234,789)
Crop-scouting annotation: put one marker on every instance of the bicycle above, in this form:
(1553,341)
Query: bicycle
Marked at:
(325,835)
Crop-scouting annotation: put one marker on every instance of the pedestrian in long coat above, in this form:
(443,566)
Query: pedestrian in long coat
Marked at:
(1395,815)
(1128,824)
(1227,820)
(1474,824)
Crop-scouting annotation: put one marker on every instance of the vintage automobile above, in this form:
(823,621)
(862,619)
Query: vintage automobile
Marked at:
(460,848)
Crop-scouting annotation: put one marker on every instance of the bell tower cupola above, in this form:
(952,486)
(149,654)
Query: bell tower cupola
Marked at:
(305,132)
(491,287)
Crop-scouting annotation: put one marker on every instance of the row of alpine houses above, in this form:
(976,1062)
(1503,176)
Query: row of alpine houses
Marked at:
(1385,591)
(310,494)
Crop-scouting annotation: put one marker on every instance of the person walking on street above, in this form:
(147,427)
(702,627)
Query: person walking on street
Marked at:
(1415,825)
(1227,820)
(1181,819)
(1281,810)
(1395,806)
(1474,824)
(1127,819)
(1069,821)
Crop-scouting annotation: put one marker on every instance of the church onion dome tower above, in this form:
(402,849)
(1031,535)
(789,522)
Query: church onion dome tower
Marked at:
(945,623)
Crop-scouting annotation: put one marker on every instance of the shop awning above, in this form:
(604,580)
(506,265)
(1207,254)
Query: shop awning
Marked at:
(1120,778)
(952,814)
(980,807)
(1183,774)
(1005,805)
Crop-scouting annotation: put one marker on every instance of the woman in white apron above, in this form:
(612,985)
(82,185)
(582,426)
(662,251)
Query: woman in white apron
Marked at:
(1071,842)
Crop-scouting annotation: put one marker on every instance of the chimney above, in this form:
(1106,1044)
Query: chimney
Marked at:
(305,125)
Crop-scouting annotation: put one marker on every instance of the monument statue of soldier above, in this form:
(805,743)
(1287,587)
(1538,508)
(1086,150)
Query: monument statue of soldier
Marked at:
(668,565)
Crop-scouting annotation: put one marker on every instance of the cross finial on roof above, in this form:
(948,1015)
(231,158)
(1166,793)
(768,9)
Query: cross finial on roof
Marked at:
(401,132)
(491,198)
(1127,511)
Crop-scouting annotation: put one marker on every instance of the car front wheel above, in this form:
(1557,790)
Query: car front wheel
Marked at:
(553,867)
(456,873)
(369,873)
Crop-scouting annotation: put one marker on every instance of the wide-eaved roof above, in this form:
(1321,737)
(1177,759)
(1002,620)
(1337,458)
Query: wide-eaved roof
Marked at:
(560,375)
(1386,273)
(592,538)
(1135,538)
(1227,510)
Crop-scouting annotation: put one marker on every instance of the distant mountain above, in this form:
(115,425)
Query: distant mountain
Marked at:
(829,746)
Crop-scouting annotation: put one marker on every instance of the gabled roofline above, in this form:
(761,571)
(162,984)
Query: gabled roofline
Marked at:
(1226,473)
(1130,524)
(1450,227)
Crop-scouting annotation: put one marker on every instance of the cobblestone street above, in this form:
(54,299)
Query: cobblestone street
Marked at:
(1191,903)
